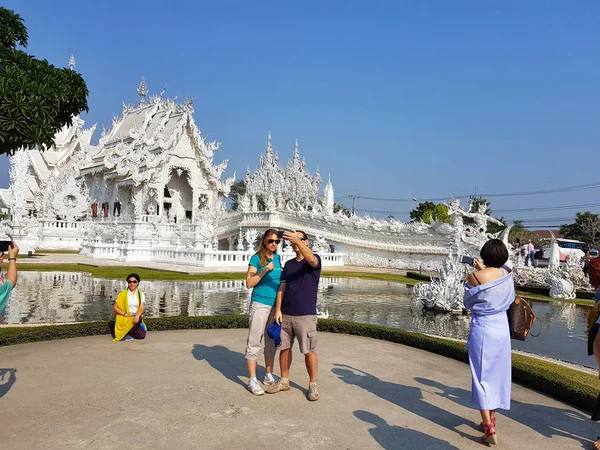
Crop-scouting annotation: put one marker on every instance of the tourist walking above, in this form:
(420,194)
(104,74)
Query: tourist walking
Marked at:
(129,308)
(530,255)
(489,293)
(264,272)
(296,311)
(8,282)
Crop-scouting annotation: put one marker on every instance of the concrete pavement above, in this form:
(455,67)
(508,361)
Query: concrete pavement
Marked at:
(185,390)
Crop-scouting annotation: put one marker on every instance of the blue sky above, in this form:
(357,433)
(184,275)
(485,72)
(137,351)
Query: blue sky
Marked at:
(398,99)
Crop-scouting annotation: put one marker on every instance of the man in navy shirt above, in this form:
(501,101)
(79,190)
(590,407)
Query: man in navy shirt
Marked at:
(296,312)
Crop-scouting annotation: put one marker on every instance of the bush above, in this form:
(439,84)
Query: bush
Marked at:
(569,385)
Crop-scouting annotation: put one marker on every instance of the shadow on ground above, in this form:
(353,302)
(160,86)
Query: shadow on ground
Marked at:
(545,420)
(232,365)
(409,398)
(8,377)
(391,437)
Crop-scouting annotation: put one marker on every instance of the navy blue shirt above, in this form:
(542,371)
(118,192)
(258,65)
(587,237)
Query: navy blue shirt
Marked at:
(301,285)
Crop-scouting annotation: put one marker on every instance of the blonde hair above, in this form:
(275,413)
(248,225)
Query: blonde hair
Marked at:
(262,249)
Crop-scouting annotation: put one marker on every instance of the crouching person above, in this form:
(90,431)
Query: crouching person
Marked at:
(296,311)
(129,308)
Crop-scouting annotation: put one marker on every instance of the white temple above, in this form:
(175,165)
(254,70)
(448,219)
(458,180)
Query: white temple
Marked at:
(150,191)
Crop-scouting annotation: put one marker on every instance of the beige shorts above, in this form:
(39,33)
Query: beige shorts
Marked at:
(260,317)
(302,327)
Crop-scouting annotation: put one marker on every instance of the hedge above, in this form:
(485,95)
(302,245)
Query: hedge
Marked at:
(563,383)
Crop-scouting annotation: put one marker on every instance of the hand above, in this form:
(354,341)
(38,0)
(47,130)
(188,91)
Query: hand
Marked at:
(136,319)
(597,306)
(277,316)
(478,264)
(13,250)
(292,237)
(270,266)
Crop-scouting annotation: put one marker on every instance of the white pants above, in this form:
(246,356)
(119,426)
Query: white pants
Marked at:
(261,316)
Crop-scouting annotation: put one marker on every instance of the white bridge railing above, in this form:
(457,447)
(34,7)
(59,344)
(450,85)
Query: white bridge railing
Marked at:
(187,256)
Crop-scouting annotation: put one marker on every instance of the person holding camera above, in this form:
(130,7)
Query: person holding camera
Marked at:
(264,272)
(8,282)
(489,292)
(296,312)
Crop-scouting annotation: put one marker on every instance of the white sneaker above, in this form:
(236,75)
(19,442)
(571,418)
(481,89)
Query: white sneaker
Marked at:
(269,381)
(254,387)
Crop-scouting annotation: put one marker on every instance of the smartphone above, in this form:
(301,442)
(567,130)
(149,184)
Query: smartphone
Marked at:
(280,234)
(467,260)
(5,245)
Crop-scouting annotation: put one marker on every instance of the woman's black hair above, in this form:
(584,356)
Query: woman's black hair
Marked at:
(494,253)
(133,275)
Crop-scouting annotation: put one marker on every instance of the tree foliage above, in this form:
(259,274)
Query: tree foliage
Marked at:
(521,235)
(429,212)
(345,211)
(238,189)
(586,228)
(36,98)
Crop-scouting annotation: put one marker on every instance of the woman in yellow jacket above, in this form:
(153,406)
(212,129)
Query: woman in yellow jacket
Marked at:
(129,308)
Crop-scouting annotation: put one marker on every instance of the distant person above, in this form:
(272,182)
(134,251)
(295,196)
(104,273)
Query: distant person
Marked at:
(586,262)
(530,255)
(594,336)
(264,272)
(129,308)
(8,282)
(489,293)
(296,311)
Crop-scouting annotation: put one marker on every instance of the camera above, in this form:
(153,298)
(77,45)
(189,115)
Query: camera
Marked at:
(467,260)
(5,245)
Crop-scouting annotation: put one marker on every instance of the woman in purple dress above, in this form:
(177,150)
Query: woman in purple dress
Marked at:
(488,294)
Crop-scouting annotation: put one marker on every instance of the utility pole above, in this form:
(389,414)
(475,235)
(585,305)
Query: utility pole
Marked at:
(353,201)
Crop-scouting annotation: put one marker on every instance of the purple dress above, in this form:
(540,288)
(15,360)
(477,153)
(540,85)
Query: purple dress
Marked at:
(489,342)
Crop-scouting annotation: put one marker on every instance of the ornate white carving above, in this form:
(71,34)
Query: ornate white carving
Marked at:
(19,175)
(446,292)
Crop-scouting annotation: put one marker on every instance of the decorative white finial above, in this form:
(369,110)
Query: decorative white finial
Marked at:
(72,62)
(142,91)
(269,143)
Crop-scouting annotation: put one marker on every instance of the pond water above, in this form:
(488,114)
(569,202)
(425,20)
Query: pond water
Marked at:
(59,297)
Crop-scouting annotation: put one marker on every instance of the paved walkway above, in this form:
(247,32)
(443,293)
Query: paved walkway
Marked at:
(185,390)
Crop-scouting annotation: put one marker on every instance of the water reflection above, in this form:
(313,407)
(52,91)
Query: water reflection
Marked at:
(59,297)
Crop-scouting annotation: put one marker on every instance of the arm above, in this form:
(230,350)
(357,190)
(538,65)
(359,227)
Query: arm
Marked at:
(278,299)
(253,277)
(305,250)
(117,310)
(11,273)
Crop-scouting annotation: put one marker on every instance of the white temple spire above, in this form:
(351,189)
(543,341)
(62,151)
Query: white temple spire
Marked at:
(142,91)
(72,62)
(329,198)
(269,144)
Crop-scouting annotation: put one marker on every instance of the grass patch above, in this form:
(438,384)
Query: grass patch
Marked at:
(569,385)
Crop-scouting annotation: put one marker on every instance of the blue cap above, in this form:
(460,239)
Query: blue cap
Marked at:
(274,332)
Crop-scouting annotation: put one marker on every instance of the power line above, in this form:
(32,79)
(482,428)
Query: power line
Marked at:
(578,187)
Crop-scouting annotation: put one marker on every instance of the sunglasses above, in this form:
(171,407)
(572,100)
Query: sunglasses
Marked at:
(273,241)
(132,281)
(304,239)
